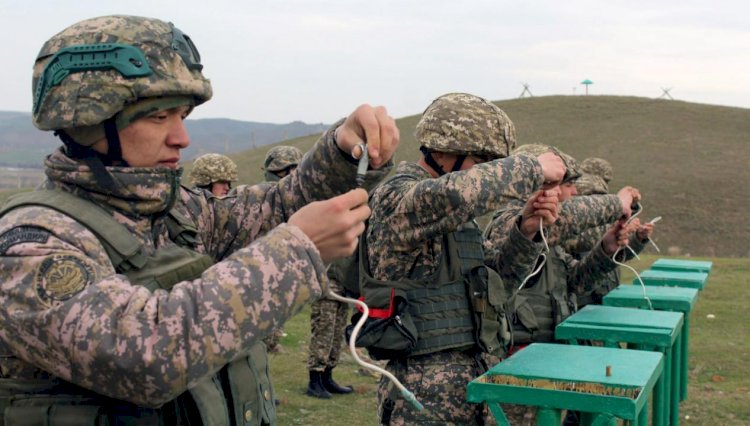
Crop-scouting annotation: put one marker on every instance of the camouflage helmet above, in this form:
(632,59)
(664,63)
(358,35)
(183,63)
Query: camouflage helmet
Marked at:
(589,184)
(572,172)
(464,124)
(102,66)
(599,167)
(281,157)
(210,168)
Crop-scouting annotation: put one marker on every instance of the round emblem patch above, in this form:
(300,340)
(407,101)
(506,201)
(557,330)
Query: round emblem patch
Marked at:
(62,276)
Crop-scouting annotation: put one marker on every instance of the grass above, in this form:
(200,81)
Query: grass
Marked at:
(719,374)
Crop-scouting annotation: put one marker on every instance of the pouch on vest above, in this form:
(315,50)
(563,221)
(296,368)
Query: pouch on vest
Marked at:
(487,293)
(390,332)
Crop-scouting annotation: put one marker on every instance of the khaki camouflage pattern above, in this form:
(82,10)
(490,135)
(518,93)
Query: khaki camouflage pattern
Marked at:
(280,157)
(439,383)
(576,214)
(210,168)
(589,184)
(88,98)
(460,123)
(87,325)
(572,172)
(328,320)
(599,167)
(410,213)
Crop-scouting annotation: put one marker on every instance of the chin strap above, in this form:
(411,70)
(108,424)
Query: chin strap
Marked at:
(430,160)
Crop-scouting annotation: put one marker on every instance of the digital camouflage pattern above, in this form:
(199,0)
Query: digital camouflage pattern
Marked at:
(328,320)
(460,123)
(576,215)
(280,157)
(589,184)
(67,315)
(410,213)
(572,170)
(599,167)
(87,98)
(439,383)
(210,168)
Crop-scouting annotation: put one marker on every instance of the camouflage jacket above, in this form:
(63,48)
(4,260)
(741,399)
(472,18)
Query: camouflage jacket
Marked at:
(577,213)
(411,211)
(97,330)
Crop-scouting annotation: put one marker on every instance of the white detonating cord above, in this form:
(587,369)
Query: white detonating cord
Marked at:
(614,258)
(542,255)
(361,171)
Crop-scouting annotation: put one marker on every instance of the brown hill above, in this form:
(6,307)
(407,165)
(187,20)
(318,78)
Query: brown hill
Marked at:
(690,161)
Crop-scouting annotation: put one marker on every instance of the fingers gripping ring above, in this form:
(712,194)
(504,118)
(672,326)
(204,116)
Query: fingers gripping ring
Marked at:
(357,153)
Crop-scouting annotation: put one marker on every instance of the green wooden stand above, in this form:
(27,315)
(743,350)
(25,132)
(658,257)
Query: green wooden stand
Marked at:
(676,299)
(555,377)
(657,330)
(665,264)
(658,277)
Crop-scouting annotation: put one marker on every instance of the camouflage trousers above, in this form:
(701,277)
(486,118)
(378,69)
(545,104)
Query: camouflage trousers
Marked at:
(438,381)
(328,319)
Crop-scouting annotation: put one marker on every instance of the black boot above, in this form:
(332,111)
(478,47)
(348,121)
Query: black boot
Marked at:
(332,386)
(315,388)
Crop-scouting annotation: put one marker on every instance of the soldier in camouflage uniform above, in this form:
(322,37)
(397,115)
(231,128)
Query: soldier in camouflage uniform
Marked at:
(328,320)
(598,167)
(548,297)
(280,161)
(422,212)
(129,299)
(214,173)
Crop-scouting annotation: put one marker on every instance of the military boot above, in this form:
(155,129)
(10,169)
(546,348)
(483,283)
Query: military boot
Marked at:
(315,388)
(332,386)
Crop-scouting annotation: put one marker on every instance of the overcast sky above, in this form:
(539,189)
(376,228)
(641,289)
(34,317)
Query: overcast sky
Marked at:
(312,60)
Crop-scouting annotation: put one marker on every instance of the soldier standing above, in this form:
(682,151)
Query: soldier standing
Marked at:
(279,162)
(424,254)
(214,173)
(129,299)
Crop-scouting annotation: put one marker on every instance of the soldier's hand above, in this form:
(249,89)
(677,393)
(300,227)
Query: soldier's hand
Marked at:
(553,168)
(334,225)
(628,195)
(617,236)
(542,207)
(374,127)
(643,231)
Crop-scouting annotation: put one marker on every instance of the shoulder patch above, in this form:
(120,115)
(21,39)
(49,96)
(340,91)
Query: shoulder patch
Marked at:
(22,234)
(61,276)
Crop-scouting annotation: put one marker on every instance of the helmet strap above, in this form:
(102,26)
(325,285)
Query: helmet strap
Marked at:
(459,162)
(431,161)
(114,148)
(91,158)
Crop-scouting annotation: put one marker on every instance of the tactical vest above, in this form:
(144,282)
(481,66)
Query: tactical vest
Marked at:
(602,287)
(458,307)
(246,380)
(535,310)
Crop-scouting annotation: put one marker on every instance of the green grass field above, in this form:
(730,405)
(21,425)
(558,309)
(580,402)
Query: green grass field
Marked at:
(719,375)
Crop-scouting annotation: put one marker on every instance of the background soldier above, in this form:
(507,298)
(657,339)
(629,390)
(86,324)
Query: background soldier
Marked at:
(128,298)
(423,215)
(280,161)
(328,320)
(549,296)
(214,173)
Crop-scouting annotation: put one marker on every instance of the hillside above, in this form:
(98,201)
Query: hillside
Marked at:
(689,160)
(21,144)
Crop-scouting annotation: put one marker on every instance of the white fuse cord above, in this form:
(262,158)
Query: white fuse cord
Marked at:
(614,258)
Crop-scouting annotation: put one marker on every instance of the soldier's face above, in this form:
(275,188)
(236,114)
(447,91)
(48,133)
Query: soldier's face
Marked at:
(220,188)
(156,140)
(567,190)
